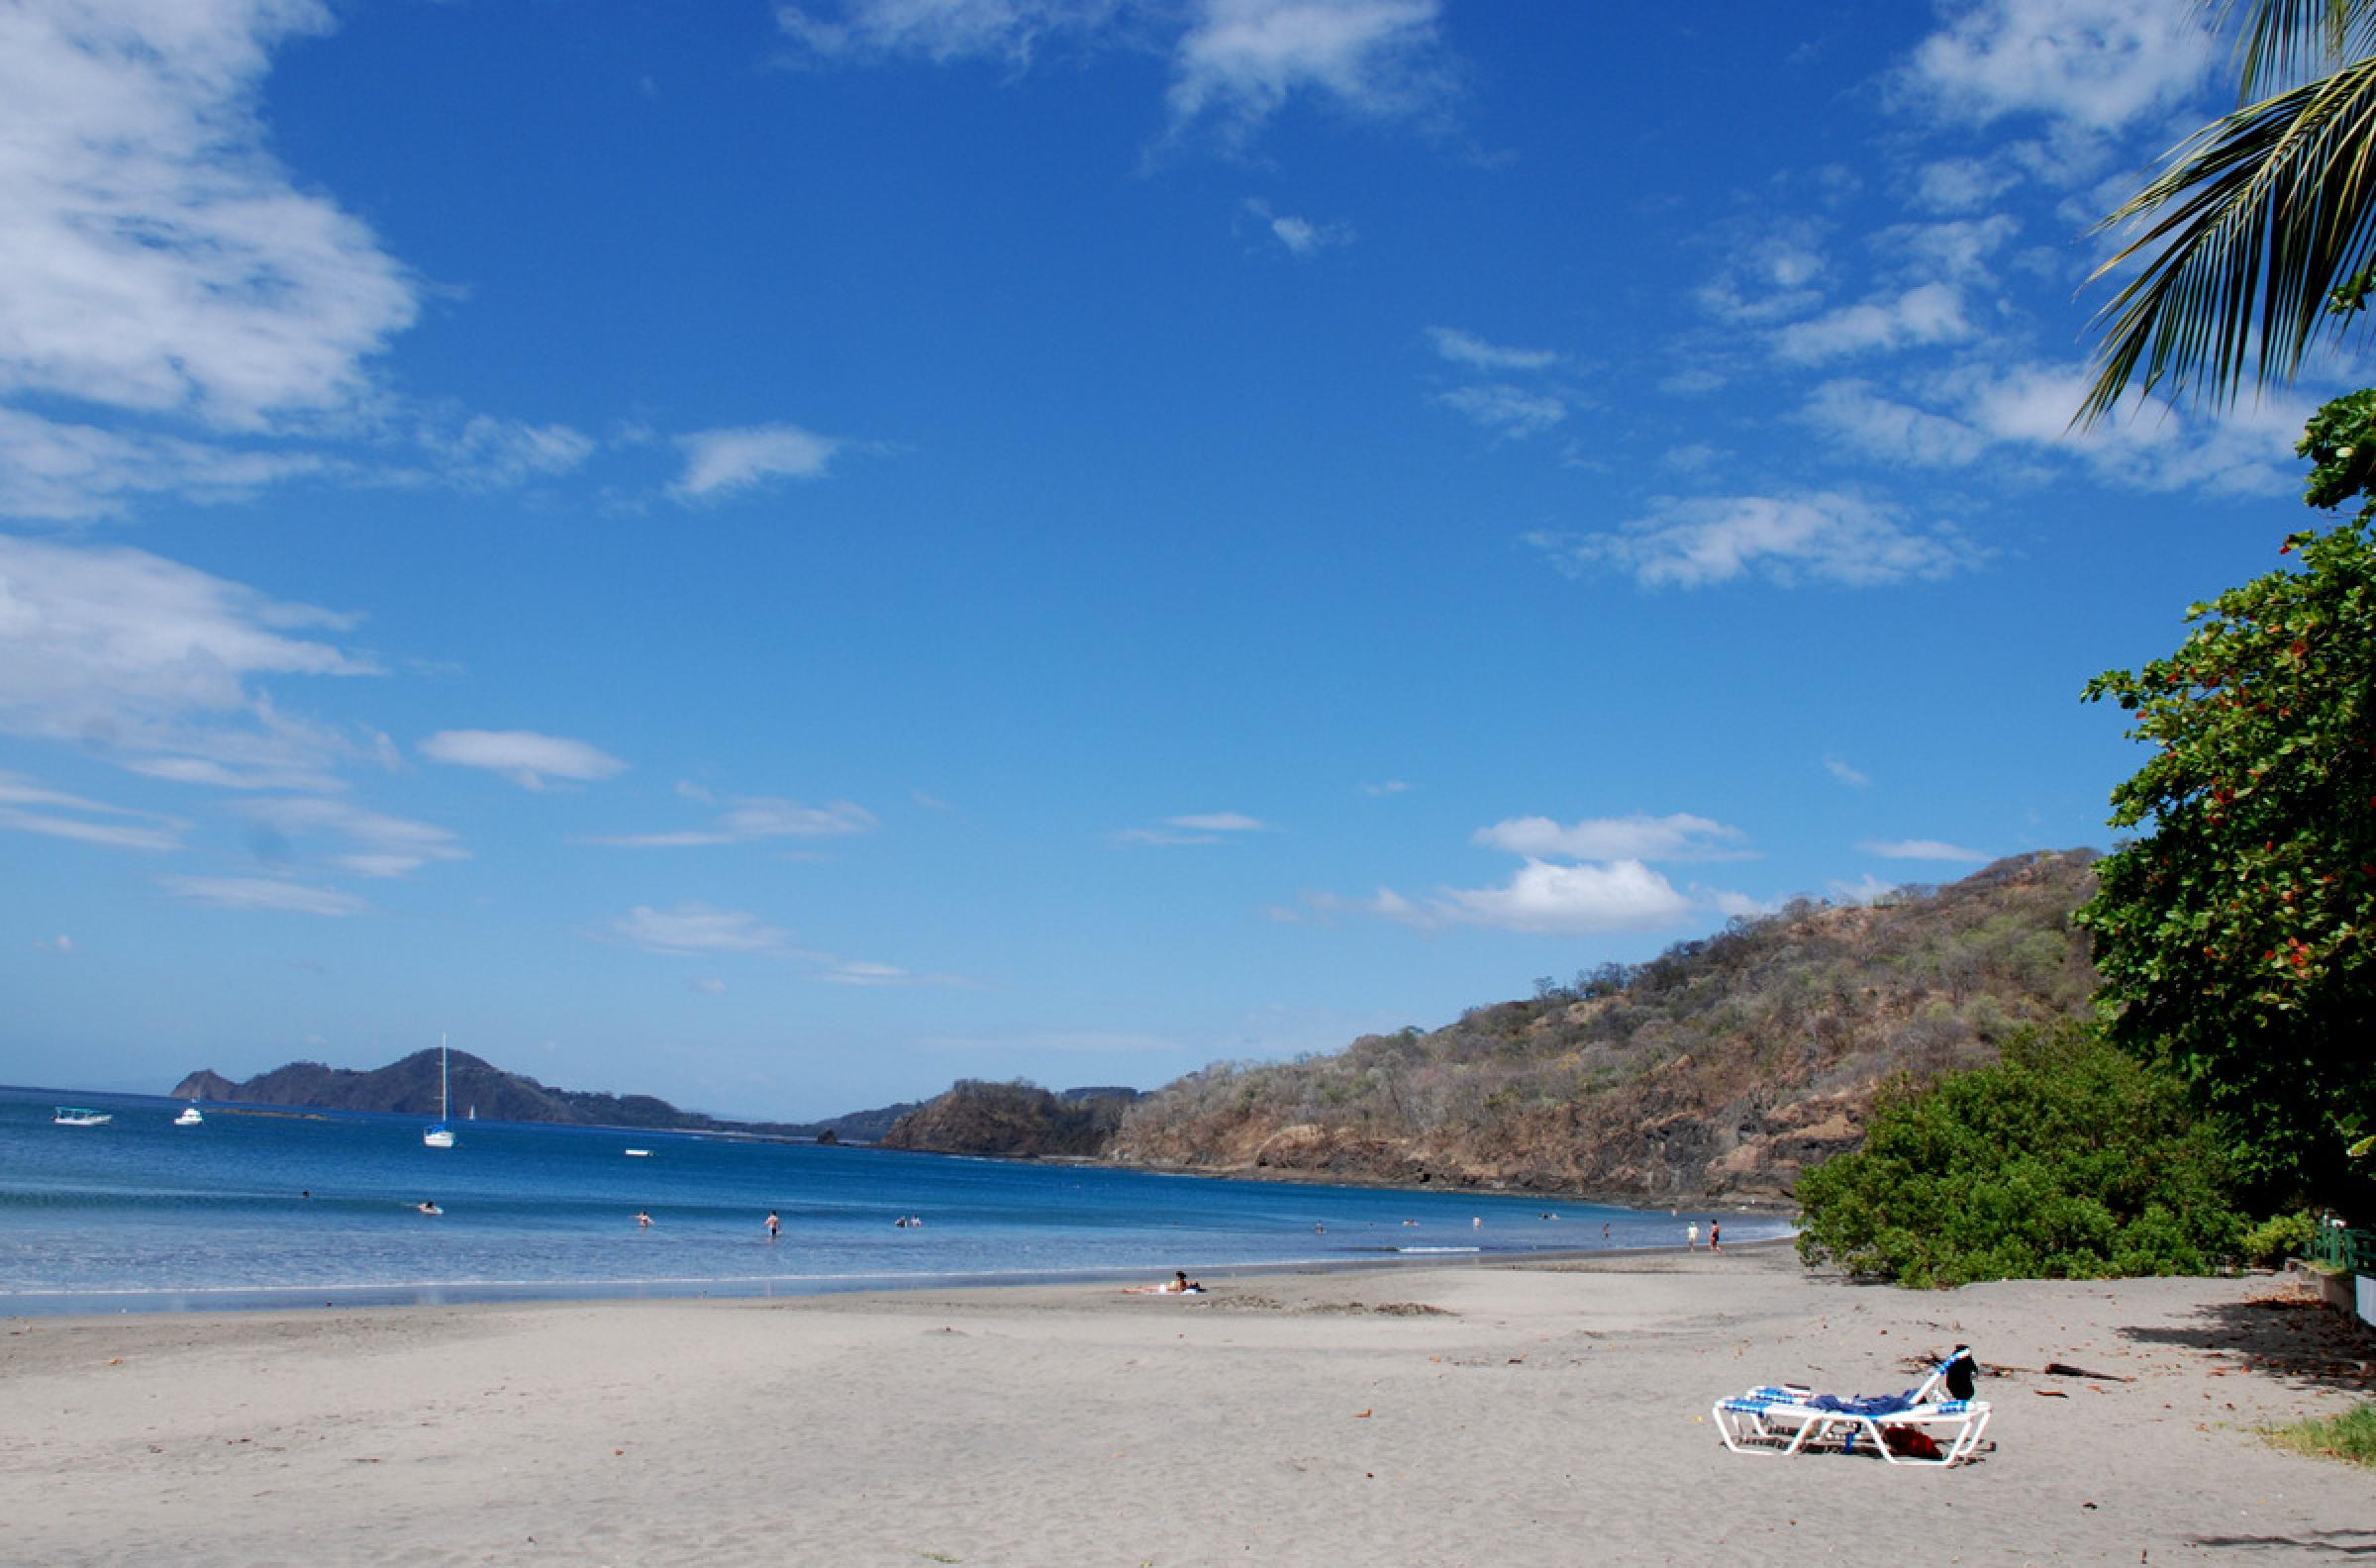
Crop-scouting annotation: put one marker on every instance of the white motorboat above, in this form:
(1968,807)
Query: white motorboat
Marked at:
(76,1115)
(190,1116)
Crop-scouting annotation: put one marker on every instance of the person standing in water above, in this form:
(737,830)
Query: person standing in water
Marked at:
(1691,1237)
(642,1221)
(774,1225)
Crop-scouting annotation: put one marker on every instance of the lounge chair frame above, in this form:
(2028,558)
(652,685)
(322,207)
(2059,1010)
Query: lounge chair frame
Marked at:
(1783,1420)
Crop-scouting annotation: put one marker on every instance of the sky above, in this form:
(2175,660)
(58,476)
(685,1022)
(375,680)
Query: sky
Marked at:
(782,556)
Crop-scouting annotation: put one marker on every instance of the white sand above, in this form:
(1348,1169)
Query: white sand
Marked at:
(1537,1416)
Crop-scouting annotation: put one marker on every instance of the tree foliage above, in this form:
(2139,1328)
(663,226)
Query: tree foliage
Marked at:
(2067,1159)
(2233,939)
(2260,231)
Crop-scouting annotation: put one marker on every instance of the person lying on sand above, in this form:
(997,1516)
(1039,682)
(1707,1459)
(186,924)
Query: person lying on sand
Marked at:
(1178,1285)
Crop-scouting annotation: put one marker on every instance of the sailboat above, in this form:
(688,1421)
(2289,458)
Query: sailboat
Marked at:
(439,1135)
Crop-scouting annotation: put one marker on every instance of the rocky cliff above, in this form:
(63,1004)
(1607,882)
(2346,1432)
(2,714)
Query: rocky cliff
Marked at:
(1013,1119)
(1721,1069)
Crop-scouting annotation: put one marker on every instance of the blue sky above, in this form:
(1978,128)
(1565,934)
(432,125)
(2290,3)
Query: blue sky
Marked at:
(779,556)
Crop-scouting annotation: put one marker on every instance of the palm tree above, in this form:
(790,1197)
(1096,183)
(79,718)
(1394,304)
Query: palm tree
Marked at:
(2263,225)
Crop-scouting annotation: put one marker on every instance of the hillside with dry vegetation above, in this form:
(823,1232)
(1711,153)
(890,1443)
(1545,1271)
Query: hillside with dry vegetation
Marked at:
(1719,1070)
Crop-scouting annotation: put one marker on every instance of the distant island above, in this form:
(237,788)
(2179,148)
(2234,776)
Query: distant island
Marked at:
(410,1087)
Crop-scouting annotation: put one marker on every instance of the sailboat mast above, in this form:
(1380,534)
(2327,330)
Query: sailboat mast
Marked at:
(444,1096)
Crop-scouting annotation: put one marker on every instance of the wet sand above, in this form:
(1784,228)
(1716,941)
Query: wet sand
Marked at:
(1508,1415)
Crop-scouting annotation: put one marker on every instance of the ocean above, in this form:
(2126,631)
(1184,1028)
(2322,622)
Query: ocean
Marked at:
(276,1207)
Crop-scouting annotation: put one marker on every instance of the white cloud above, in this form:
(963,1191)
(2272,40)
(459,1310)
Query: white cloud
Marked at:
(2247,450)
(1740,906)
(1467,349)
(68,472)
(377,844)
(1919,849)
(1957,250)
(1863,420)
(120,827)
(1839,769)
(153,256)
(62,944)
(1679,836)
(2098,64)
(941,30)
(270,894)
(1867,889)
(1929,313)
(1963,184)
(499,452)
(149,663)
(707,985)
(1299,237)
(754,817)
(1548,900)
(1388,787)
(700,928)
(1769,276)
(1511,411)
(525,757)
(1241,60)
(722,462)
(1822,537)
(1196,829)
(694,930)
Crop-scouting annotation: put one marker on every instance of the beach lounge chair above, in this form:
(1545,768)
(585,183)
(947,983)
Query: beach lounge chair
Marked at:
(1787,1419)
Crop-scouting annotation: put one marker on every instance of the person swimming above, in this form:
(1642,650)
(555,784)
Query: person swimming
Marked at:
(428,1206)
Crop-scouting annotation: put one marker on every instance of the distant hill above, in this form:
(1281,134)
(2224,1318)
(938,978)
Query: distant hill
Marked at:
(1719,1070)
(1013,1119)
(410,1087)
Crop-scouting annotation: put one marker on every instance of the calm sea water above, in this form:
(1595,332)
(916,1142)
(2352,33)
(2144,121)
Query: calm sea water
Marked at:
(283,1208)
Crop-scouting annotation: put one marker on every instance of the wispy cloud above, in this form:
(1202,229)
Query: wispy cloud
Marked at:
(2096,64)
(722,462)
(525,757)
(1506,410)
(1919,849)
(700,928)
(1233,62)
(1929,313)
(694,930)
(271,895)
(1678,836)
(1299,237)
(1839,769)
(153,255)
(1241,60)
(1467,349)
(1197,828)
(751,819)
(1822,537)
(27,807)
(1386,787)
(150,663)
(375,845)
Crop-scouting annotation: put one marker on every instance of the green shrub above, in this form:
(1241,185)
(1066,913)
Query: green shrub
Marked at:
(2066,1160)
(2269,1244)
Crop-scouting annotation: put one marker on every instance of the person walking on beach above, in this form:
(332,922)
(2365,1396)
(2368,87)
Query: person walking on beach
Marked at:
(774,1225)
(1715,1231)
(1691,1237)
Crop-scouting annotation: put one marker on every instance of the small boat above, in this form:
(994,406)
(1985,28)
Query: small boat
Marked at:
(638,1153)
(439,1135)
(76,1115)
(190,1116)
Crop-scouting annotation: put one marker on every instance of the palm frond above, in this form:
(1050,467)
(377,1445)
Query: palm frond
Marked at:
(2283,41)
(2255,221)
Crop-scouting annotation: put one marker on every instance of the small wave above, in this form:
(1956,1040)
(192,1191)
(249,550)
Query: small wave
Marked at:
(1438,1249)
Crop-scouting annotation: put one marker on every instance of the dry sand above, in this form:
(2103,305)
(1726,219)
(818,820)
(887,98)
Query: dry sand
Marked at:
(1489,1416)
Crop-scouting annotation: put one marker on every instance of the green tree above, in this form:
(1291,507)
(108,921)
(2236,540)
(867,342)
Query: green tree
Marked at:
(2066,1160)
(2260,230)
(2234,937)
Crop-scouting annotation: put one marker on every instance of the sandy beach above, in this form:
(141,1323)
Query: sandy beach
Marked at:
(1505,1414)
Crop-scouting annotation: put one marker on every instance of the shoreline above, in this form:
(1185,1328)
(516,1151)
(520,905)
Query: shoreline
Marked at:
(1525,1414)
(51,1305)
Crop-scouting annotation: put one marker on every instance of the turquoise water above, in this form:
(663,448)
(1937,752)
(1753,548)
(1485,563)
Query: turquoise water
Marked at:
(282,1209)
